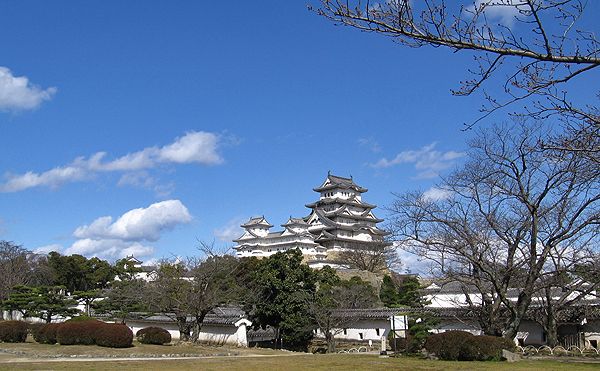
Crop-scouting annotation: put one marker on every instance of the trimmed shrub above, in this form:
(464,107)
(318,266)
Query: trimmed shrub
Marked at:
(114,335)
(452,346)
(46,334)
(153,335)
(78,332)
(490,347)
(13,331)
(33,328)
(464,346)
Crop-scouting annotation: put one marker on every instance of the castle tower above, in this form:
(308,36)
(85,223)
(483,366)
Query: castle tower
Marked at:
(340,219)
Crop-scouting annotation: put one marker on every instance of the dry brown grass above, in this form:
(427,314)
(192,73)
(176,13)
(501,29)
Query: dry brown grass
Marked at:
(40,357)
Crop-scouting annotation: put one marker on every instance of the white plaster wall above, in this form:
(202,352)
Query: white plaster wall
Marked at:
(534,332)
(451,300)
(230,335)
(368,329)
(591,331)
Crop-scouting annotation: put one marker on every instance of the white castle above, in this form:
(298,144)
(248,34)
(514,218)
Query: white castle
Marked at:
(338,220)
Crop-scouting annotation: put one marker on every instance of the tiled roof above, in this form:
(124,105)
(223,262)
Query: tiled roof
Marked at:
(339,182)
(370,313)
(218,316)
(259,220)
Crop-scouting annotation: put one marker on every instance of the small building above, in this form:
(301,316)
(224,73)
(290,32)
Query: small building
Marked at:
(362,325)
(222,326)
(577,325)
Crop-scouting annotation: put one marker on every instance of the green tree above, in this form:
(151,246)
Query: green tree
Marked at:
(42,302)
(409,292)
(122,299)
(389,292)
(125,269)
(283,287)
(87,298)
(77,273)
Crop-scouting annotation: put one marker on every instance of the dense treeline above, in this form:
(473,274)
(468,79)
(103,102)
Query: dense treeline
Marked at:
(280,291)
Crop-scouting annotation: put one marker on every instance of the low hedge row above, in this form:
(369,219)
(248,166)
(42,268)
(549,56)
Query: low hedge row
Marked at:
(46,333)
(464,346)
(153,335)
(113,335)
(13,331)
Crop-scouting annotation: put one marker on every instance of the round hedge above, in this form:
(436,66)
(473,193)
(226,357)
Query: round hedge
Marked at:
(153,335)
(464,346)
(89,332)
(46,334)
(77,333)
(114,335)
(13,331)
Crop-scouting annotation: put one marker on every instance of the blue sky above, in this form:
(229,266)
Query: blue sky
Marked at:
(144,126)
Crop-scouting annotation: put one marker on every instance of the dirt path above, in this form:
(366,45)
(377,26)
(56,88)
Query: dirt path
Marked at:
(25,359)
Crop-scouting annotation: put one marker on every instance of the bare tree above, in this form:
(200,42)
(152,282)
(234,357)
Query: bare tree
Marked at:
(213,283)
(533,55)
(511,207)
(571,277)
(330,304)
(14,267)
(19,266)
(188,290)
(375,256)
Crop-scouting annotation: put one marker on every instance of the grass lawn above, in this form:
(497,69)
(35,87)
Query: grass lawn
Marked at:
(33,356)
(299,362)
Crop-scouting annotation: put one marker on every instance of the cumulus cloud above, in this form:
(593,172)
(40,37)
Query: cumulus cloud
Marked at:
(194,147)
(128,234)
(137,224)
(504,12)
(370,143)
(109,249)
(427,161)
(141,179)
(231,230)
(436,194)
(17,93)
(48,249)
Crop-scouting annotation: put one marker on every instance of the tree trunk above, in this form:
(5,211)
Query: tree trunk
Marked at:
(199,320)
(330,339)
(551,331)
(184,328)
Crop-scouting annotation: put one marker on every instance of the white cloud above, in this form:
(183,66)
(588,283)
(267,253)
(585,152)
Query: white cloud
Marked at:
(47,249)
(109,249)
(141,179)
(51,178)
(502,11)
(111,240)
(436,194)
(413,263)
(370,143)
(231,230)
(428,161)
(137,224)
(198,147)
(17,93)
(193,147)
